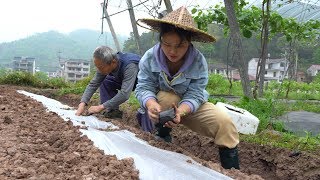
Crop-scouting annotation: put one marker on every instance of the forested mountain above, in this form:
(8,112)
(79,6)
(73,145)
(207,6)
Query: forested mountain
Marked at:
(45,47)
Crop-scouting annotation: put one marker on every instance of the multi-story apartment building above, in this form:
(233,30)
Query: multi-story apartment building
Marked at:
(74,70)
(275,69)
(24,64)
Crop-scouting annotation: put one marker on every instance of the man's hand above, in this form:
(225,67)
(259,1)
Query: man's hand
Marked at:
(95,109)
(154,109)
(80,109)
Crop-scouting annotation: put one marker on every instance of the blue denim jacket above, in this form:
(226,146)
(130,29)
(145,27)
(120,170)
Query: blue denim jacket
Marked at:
(189,84)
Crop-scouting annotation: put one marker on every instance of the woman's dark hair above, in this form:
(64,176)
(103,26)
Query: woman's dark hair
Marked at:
(183,34)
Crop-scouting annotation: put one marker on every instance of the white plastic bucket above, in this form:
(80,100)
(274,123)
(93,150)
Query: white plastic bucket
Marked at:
(245,122)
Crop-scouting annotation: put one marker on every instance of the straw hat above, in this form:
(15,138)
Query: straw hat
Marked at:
(180,18)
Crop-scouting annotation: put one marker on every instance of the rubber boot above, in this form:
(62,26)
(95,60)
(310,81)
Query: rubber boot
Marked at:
(113,113)
(163,133)
(229,158)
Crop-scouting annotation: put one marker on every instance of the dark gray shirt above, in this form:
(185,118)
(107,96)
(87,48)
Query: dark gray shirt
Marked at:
(129,78)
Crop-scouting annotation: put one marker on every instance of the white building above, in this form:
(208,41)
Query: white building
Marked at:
(52,74)
(313,70)
(275,69)
(222,69)
(27,64)
(74,70)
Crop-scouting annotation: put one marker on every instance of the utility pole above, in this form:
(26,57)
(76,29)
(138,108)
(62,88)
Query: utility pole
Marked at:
(134,25)
(168,5)
(59,55)
(115,39)
(296,66)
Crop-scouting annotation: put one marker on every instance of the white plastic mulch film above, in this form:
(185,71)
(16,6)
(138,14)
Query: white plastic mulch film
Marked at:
(152,163)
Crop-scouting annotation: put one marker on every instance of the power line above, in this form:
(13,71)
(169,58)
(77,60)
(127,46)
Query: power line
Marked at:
(315,8)
(254,2)
(303,10)
(291,8)
(206,4)
(145,5)
(313,15)
(128,8)
(153,11)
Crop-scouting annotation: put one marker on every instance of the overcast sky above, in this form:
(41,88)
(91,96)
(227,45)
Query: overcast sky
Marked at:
(23,18)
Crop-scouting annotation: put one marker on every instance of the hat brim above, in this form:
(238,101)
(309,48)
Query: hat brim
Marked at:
(197,35)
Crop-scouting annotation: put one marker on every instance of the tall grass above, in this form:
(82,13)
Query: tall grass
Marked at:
(39,80)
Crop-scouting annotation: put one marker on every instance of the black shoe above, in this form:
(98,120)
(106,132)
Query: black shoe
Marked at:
(163,133)
(229,158)
(167,139)
(113,114)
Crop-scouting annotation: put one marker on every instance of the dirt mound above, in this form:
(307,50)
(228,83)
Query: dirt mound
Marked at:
(38,145)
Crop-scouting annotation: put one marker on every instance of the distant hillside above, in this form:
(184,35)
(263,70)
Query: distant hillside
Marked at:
(45,47)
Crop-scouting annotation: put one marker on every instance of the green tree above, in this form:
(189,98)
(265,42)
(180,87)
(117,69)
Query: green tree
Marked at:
(316,55)
(147,40)
(229,17)
(250,22)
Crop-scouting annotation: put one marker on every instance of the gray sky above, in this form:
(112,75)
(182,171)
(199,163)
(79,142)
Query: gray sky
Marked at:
(23,18)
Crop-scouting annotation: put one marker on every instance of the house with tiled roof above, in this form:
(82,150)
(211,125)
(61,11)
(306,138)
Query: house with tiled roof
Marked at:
(313,70)
(236,77)
(275,69)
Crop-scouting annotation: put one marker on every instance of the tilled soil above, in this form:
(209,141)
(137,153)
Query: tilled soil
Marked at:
(36,144)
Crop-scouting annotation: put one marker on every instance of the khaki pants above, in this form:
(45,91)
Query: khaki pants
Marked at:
(209,120)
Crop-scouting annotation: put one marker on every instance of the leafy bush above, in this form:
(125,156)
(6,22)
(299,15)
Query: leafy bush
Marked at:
(214,100)
(316,79)
(57,83)
(218,85)
(84,82)
(297,90)
(76,88)
(133,101)
(18,78)
(39,80)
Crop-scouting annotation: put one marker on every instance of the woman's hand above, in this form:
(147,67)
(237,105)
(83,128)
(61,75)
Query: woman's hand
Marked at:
(181,111)
(154,109)
(176,120)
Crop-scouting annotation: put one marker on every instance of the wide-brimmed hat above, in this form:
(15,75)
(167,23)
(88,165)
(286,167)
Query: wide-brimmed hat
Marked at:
(180,18)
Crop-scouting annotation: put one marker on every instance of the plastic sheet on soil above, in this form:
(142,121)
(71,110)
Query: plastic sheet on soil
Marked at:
(152,162)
